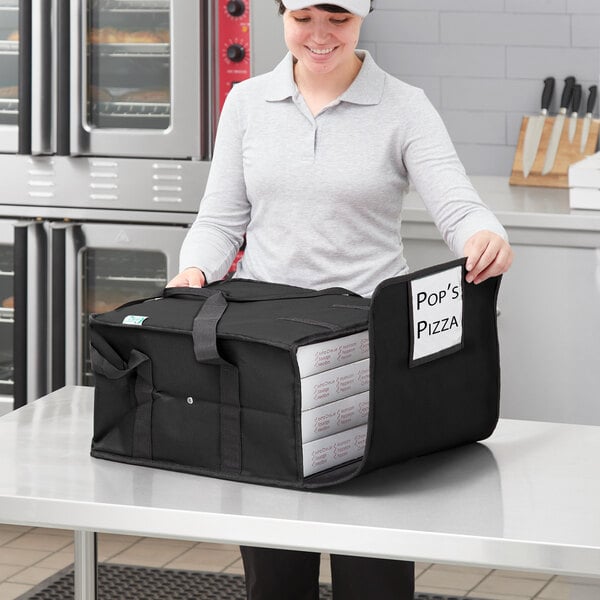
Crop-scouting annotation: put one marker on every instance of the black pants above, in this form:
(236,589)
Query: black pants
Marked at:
(291,575)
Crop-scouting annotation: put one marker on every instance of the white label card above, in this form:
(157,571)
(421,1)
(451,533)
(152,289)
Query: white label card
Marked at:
(134,320)
(437,309)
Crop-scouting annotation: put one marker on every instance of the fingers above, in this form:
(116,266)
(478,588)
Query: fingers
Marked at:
(488,255)
(191,277)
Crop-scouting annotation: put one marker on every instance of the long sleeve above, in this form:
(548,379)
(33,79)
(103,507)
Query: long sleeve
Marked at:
(217,233)
(440,179)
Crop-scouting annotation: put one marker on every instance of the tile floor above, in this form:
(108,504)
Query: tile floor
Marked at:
(28,555)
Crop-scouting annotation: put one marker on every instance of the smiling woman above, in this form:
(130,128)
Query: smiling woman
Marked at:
(323,45)
(310,166)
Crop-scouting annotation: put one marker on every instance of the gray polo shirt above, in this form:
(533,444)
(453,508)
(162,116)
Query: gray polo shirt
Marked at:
(320,197)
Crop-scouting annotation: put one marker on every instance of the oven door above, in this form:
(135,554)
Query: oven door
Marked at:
(139,78)
(7,315)
(9,75)
(107,265)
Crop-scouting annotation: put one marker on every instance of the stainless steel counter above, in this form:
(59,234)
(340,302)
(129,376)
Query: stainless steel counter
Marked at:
(527,498)
(519,206)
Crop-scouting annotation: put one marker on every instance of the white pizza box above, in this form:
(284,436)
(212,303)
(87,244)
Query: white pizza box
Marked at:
(335,417)
(584,198)
(321,356)
(334,384)
(585,173)
(333,450)
(584,183)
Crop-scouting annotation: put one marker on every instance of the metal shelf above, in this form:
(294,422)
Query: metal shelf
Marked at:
(8,107)
(132,109)
(9,48)
(7,315)
(125,279)
(131,50)
(136,6)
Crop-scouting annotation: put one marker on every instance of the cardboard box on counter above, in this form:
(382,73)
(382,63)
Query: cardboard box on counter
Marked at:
(334,384)
(334,450)
(321,356)
(584,183)
(335,417)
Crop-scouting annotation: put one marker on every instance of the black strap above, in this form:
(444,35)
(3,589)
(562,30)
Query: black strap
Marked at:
(231,432)
(142,428)
(143,389)
(204,329)
(232,297)
(106,368)
(204,336)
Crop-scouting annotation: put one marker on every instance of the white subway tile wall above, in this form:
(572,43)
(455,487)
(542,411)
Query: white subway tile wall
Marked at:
(482,62)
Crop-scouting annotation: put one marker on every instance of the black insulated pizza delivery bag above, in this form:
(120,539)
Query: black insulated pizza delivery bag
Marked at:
(285,386)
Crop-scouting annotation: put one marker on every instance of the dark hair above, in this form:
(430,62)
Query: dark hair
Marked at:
(332,8)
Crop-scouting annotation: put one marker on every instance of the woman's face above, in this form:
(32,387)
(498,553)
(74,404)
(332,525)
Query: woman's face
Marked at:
(321,41)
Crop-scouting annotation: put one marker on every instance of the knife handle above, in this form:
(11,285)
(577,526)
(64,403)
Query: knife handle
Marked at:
(548,92)
(592,99)
(576,99)
(567,92)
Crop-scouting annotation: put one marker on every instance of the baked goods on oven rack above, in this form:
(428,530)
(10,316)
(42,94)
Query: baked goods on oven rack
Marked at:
(112,35)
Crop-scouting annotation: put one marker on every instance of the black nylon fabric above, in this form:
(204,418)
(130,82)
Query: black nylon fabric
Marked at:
(235,412)
(195,426)
(450,401)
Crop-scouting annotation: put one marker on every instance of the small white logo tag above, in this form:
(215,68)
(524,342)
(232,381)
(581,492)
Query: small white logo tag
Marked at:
(134,320)
(437,307)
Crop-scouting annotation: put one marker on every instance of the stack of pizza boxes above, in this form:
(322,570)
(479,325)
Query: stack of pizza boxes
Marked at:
(335,401)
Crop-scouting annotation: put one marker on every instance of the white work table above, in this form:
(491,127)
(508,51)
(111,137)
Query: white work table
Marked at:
(528,498)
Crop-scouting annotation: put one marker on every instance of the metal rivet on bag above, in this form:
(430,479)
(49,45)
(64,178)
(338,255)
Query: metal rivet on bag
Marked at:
(190,400)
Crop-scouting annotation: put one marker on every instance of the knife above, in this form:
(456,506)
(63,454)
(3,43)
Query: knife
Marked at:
(535,127)
(559,121)
(575,107)
(587,120)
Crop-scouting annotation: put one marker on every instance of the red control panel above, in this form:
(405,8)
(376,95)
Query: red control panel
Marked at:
(233,52)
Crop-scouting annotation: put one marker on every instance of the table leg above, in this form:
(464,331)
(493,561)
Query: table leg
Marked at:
(86,566)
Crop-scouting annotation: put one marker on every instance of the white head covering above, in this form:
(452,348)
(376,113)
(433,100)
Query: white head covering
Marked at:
(358,7)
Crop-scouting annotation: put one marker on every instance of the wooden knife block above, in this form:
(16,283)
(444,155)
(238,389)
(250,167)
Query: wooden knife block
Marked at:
(567,154)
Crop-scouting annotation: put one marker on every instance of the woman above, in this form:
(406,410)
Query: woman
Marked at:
(310,165)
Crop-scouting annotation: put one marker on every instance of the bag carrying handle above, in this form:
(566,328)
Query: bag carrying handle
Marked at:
(204,327)
(204,337)
(205,292)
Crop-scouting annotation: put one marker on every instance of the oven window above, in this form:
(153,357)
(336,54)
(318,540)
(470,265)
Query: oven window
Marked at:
(111,278)
(6,322)
(9,62)
(129,64)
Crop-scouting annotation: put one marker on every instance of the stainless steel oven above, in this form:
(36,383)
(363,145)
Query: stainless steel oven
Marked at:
(108,111)
(139,78)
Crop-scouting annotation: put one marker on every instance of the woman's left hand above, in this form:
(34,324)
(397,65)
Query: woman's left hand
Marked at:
(488,255)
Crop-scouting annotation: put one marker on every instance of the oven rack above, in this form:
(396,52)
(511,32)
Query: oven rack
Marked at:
(9,107)
(129,279)
(131,50)
(9,48)
(132,109)
(7,315)
(136,6)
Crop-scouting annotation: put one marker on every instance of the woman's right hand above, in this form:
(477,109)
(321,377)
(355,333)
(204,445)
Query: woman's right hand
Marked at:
(190,277)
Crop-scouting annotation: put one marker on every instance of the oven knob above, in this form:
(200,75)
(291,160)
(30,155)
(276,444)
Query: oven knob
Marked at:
(236,53)
(236,8)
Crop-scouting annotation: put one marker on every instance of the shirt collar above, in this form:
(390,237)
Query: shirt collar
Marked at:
(367,87)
